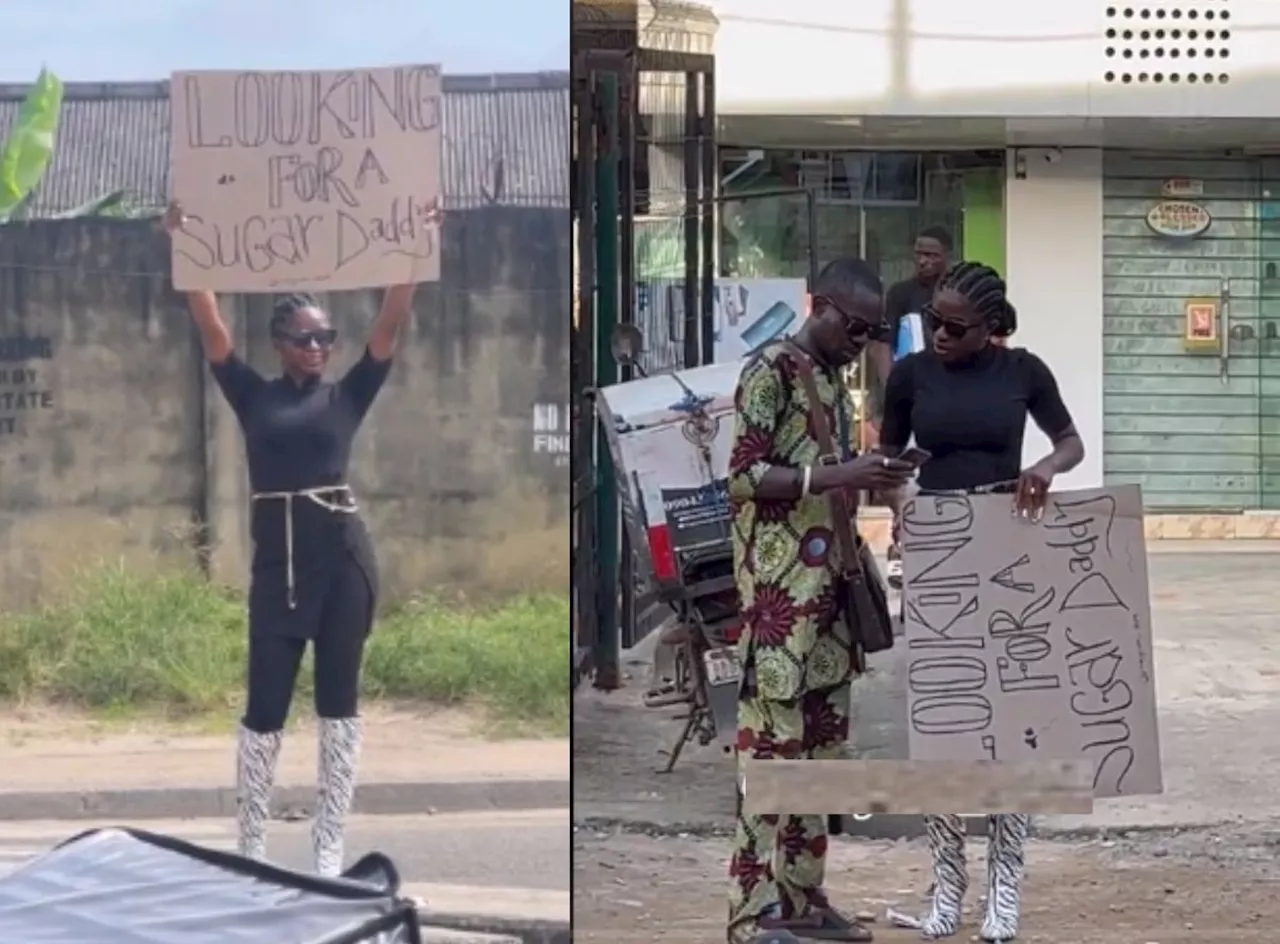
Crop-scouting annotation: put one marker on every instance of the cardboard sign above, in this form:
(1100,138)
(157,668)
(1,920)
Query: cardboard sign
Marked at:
(295,181)
(1032,641)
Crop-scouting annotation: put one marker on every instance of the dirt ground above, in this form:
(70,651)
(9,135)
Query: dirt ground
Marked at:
(45,749)
(1206,887)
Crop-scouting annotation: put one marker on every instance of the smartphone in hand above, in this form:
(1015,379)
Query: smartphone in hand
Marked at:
(916,456)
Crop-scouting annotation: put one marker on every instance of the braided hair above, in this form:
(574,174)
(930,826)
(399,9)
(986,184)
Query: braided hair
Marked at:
(285,308)
(983,288)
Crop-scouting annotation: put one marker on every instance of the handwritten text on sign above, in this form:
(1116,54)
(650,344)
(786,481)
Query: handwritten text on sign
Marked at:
(1032,641)
(306,180)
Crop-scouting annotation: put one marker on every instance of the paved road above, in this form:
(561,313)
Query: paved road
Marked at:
(525,850)
(1217,656)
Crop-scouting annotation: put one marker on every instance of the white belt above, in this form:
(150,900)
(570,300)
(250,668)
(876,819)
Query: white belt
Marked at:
(317,495)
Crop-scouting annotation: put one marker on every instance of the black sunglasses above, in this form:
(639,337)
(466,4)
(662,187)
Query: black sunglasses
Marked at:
(306,339)
(950,327)
(857,327)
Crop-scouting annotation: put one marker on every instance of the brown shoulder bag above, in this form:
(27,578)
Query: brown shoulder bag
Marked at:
(866,597)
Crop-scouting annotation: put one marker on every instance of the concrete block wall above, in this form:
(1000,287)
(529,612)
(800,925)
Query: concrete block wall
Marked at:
(115,443)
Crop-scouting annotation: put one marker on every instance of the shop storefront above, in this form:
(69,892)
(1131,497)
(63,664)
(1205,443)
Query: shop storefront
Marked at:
(1112,161)
(1192,329)
(1149,279)
(785,213)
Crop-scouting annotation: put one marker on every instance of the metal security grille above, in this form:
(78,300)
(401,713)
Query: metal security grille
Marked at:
(1197,428)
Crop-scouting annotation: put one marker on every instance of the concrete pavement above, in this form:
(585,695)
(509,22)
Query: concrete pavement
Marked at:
(59,768)
(1218,685)
(485,873)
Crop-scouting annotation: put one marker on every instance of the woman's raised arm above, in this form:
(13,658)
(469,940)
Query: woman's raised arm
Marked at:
(215,336)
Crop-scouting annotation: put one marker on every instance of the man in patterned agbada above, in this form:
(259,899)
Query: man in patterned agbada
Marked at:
(797,651)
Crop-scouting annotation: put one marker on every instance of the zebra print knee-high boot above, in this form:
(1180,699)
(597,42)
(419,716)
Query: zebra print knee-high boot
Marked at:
(339,757)
(256,757)
(950,875)
(1005,865)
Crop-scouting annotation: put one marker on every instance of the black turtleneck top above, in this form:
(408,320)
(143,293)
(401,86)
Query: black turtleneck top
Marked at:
(972,417)
(299,436)
(296,435)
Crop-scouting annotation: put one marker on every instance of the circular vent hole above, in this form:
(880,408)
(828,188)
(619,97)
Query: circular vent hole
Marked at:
(1224,53)
(1176,34)
(1144,54)
(1193,14)
(1126,78)
(1146,14)
(1224,35)
(1159,34)
(1128,53)
(1159,52)
(1128,34)
(1223,78)
(1175,78)
(1191,54)
(1208,78)
(1142,77)
(1158,77)
(1176,14)
(1192,78)
(1193,34)
(1160,14)
(1111,34)
(1111,11)
(1110,76)
(1145,34)
(1111,52)
(1175,53)
(1224,15)
(1208,14)
(1209,53)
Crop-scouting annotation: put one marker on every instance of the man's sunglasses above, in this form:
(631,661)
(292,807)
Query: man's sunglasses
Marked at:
(308,339)
(950,327)
(857,327)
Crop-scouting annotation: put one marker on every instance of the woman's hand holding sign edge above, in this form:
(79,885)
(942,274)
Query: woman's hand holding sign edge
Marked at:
(397,304)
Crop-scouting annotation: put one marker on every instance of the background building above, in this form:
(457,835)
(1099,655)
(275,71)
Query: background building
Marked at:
(1114,159)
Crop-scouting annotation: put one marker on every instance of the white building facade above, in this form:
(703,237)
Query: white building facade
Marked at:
(1130,145)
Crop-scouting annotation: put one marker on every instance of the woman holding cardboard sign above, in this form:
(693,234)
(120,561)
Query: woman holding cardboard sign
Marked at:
(313,574)
(966,401)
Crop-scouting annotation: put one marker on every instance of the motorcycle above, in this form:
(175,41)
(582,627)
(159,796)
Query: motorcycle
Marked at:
(669,437)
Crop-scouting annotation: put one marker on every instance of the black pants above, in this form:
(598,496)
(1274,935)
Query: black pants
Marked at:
(338,652)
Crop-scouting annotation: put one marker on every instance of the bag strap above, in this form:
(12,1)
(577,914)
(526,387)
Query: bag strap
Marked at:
(827,455)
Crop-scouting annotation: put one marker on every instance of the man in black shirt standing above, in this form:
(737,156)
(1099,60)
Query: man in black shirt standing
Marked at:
(902,306)
(932,253)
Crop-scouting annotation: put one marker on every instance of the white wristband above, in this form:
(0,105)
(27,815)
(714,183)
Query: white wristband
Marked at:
(806,479)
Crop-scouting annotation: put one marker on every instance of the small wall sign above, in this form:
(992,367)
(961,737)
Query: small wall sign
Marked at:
(1182,187)
(1201,331)
(1178,219)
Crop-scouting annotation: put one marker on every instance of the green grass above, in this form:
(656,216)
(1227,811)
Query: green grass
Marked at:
(125,641)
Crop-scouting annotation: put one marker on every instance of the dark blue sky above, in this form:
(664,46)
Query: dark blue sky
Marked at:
(85,40)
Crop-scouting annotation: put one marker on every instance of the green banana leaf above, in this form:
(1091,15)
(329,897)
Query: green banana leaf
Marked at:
(29,148)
